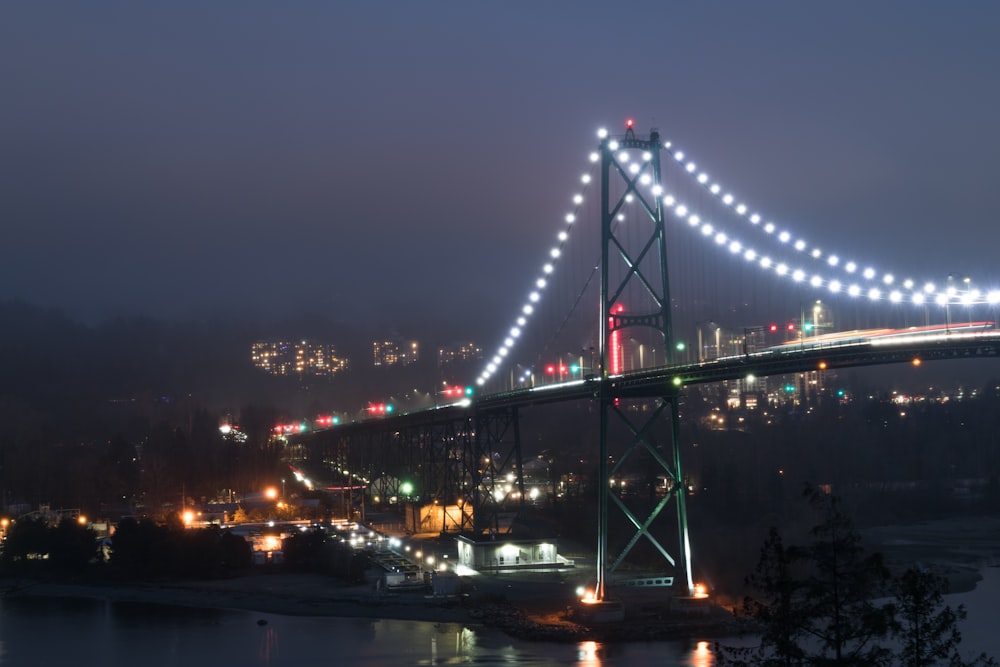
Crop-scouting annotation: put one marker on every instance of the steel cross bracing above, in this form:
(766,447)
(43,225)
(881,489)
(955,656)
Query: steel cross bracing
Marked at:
(433,452)
(464,457)
(635,292)
(496,473)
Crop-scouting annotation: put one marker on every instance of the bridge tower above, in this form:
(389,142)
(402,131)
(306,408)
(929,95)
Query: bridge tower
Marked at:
(635,296)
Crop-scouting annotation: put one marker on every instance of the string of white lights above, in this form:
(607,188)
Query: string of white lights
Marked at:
(535,295)
(874,284)
(880,285)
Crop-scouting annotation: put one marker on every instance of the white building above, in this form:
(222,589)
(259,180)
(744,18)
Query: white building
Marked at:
(507,554)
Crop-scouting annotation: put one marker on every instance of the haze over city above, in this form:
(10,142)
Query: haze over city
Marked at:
(405,165)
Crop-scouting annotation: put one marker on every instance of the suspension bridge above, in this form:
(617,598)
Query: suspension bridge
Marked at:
(689,285)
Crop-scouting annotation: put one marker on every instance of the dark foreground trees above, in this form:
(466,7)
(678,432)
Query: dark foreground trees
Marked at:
(148,550)
(32,547)
(318,551)
(145,549)
(828,603)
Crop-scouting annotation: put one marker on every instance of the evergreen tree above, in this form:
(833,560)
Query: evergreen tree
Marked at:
(839,590)
(775,606)
(815,604)
(926,627)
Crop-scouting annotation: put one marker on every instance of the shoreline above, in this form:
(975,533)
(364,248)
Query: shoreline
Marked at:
(526,611)
(524,605)
(278,593)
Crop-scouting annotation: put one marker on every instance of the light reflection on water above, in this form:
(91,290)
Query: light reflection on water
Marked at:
(57,631)
(47,631)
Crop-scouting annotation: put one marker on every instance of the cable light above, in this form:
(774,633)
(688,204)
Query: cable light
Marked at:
(742,209)
(708,230)
(969,297)
(535,295)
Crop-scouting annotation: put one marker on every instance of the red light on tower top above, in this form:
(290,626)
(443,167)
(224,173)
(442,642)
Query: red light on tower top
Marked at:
(629,123)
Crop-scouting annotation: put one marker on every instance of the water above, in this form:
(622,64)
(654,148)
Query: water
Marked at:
(50,631)
(979,630)
(43,631)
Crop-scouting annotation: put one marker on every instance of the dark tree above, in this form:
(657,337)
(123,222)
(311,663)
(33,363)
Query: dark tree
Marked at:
(815,605)
(840,589)
(73,546)
(236,552)
(27,541)
(775,605)
(140,549)
(311,551)
(34,547)
(828,603)
(927,628)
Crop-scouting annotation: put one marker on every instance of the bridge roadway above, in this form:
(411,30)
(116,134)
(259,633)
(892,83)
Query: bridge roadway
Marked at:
(811,354)
(436,447)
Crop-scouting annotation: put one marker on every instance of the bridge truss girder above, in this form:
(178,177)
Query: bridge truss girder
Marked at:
(471,458)
(495,471)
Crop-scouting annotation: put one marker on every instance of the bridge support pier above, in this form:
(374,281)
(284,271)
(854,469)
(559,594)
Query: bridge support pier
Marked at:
(655,450)
(635,294)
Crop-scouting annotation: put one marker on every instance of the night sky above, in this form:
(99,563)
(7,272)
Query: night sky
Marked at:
(401,163)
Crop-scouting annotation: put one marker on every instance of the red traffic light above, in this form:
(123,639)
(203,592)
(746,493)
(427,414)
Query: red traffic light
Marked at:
(791,326)
(773,328)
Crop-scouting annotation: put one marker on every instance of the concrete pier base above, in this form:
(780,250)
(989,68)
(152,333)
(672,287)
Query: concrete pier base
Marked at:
(602,611)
